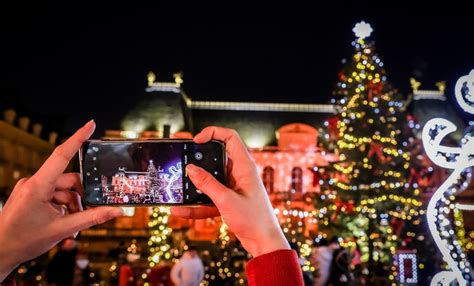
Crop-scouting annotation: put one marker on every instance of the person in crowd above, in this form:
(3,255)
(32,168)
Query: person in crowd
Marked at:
(82,271)
(60,270)
(160,275)
(322,258)
(340,272)
(119,253)
(356,262)
(46,208)
(129,271)
(189,271)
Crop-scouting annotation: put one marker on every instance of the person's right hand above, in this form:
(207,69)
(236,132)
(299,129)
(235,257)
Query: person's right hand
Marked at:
(244,205)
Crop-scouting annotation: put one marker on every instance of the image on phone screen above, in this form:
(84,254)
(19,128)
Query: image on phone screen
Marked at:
(147,172)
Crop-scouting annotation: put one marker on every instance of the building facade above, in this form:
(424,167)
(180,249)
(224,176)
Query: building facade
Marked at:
(22,150)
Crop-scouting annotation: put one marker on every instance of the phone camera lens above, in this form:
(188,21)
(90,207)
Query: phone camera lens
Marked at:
(198,156)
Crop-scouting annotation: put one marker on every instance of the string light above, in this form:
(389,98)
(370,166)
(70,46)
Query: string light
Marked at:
(440,204)
(225,267)
(158,244)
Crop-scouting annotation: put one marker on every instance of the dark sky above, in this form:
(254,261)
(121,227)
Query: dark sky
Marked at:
(67,64)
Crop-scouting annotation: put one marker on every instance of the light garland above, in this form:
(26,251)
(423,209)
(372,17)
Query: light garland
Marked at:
(439,207)
(158,241)
(223,265)
(465,240)
(293,226)
(313,216)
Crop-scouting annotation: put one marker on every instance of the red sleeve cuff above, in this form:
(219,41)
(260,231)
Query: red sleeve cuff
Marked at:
(278,268)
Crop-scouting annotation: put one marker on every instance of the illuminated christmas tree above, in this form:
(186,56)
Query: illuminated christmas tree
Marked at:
(153,184)
(227,261)
(160,239)
(369,197)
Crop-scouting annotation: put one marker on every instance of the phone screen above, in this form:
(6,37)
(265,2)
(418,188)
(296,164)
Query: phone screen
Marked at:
(147,172)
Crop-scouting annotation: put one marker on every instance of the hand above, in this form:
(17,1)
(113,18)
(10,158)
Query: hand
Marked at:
(34,217)
(244,205)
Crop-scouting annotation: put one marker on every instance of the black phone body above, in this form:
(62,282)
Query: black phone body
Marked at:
(147,172)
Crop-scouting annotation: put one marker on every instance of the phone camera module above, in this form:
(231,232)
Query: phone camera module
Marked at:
(198,156)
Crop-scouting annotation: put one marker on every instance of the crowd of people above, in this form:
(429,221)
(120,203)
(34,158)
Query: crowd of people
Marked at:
(69,266)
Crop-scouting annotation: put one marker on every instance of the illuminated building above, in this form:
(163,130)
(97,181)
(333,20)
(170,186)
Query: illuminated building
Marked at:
(22,149)
(166,103)
(129,182)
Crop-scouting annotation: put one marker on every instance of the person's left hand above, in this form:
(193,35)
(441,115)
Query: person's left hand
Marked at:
(34,218)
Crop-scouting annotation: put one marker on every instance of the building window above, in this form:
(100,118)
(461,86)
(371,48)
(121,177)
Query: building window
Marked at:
(268,178)
(297,180)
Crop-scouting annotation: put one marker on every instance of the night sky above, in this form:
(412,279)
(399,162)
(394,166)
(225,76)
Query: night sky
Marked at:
(64,65)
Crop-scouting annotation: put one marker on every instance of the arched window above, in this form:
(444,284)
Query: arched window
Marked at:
(268,178)
(297,180)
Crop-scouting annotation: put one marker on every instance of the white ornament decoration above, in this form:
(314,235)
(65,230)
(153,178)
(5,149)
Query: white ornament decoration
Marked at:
(400,259)
(464,91)
(456,158)
(459,159)
(362,30)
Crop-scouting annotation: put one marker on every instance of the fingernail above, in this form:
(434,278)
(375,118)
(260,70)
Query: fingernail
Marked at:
(90,122)
(89,127)
(196,137)
(191,169)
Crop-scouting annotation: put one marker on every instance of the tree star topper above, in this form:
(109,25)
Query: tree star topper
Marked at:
(362,30)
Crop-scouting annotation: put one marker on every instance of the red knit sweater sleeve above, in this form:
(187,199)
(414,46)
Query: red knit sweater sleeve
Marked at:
(278,268)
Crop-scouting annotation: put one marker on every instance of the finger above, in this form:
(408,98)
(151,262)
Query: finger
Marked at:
(195,213)
(243,164)
(70,181)
(71,224)
(232,140)
(71,199)
(58,161)
(209,185)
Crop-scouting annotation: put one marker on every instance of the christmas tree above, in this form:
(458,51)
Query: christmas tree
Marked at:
(153,182)
(159,242)
(369,197)
(226,263)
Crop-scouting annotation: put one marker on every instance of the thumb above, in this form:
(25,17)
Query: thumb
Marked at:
(209,185)
(73,223)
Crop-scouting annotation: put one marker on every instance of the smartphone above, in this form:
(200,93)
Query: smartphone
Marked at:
(147,172)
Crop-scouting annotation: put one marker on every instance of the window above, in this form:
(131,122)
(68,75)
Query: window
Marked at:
(267,178)
(297,180)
